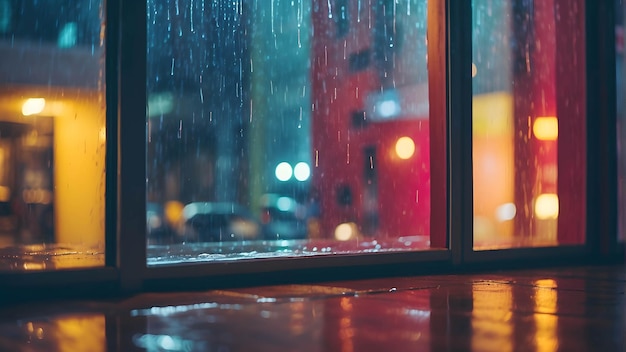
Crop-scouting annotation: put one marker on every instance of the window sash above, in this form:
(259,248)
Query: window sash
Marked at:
(126,158)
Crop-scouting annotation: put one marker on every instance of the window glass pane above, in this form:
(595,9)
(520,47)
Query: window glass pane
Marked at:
(286,128)
(52,134)
(528,123)
(620,10)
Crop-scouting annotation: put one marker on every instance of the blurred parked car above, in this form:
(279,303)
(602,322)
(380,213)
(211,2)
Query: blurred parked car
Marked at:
(214,222)
(283,217)
(159,229)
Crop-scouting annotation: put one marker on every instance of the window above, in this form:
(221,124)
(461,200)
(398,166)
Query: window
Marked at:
(52,134)
(288,128)
(528,123)
(261,137)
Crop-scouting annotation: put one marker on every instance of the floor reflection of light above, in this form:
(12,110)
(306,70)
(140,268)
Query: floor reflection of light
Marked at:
(417,313)
(546,322)
(170,310)
(492,329)
(297,324)
(40,334)
(167,342)
(346,331)
(266,314)
(152,342)
(34,266)
(76,333)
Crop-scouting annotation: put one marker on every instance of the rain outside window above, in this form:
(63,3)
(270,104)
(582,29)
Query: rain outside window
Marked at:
(528,123)
(52,134)
(287,128)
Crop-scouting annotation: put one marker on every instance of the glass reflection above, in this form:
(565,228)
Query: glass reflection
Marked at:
(218,325)
(492,310)
(64,332)
(52,123)
(346,332)
(286,128)
(508,314)
(297,318)
(521,99)
(546,320)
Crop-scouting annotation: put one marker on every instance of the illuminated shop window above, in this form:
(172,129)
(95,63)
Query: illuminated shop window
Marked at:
(287,128)
(52,134)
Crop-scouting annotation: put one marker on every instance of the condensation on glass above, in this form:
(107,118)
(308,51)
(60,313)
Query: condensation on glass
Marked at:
(620,11)
(528,79)
(286,128)
(52,134)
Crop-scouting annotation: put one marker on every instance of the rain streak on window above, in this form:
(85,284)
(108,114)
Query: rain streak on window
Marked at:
(286,128)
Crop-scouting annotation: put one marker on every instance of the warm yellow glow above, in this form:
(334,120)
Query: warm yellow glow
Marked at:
(491,317)
(546,128)
(173,212)
(492,115)
(79,332)
(33,106)
(405,148)
(103,134)
(345,231)
(547,206)
(79,187)
(493,154)
(546,283)
(5,194)
(474,70)
(346,330)
(546,322)
(34,266)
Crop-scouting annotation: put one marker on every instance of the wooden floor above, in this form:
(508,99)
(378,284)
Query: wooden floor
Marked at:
(564,309)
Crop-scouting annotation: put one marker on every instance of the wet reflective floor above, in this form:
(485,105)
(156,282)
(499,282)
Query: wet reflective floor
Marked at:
(560,309)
